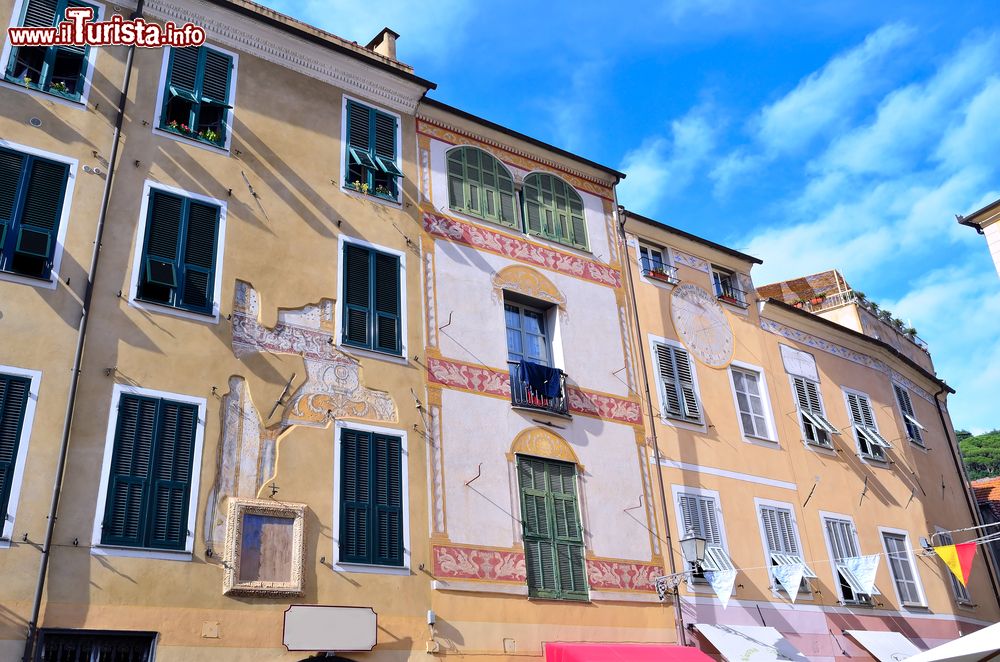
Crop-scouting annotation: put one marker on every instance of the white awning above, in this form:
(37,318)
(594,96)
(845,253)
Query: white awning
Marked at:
(750,643)
(980,645)
(885,646)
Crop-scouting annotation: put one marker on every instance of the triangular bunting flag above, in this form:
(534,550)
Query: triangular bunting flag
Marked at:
(958,558)
(790,578)
(864,569)
(722,582)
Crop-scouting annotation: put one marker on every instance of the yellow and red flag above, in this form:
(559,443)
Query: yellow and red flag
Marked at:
(958,558)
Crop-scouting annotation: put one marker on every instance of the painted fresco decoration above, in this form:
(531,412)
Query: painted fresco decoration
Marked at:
(528,282)
(332,389)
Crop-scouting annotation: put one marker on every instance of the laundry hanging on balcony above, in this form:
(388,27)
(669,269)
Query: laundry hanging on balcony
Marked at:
(544,381)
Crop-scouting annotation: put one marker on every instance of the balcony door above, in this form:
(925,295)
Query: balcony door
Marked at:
(527,335)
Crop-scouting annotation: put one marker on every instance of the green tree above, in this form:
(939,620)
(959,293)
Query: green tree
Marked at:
(981,454)
(962,435)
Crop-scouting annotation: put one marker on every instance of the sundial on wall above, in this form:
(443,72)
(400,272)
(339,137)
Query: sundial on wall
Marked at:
(701,325)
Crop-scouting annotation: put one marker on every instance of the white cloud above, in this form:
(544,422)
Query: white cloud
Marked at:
(661,167)
(572,113)
(431,29)
(977,138)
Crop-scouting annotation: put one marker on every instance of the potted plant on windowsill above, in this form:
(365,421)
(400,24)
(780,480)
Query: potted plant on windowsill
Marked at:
(205,135)
(659,273)
(799,303)
(61,89)
(817,300)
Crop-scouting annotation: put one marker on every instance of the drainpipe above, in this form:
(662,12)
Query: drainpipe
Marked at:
(81,336)
(627,268)
(966,486)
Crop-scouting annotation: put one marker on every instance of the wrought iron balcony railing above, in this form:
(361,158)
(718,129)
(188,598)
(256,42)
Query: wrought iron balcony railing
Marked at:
(657,270)
(522,395)
(726,291)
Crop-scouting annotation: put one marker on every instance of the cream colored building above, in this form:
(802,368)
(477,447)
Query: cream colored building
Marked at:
(985,222)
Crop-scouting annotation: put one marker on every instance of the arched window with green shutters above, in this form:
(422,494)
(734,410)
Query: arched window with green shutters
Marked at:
(554,210)
(480,185)
(58,70)
(32,193)
(196,99)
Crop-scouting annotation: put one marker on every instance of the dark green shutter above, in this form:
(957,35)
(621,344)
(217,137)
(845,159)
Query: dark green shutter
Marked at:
(170,485)
(199,256)
(355,499)
(359,126)
(386,299)
(183,79)
(40,13)
(553,537)
(149,489)
(385,137)
(553,209)
(161,257)
(388,506)
(215,77)
(125,513)
(357,295)
(11,172)
(200,77)
(13,402)
(43,202)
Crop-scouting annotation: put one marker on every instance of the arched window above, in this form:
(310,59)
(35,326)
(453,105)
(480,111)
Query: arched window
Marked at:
(479,185)
(553,209)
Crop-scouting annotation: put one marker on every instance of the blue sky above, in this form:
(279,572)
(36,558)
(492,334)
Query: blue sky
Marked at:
(813,135)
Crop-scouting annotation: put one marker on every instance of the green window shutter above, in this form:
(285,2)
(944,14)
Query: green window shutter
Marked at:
(387,303)
(553,538)
(160,275)
(40,13)
(532,207)
(197,93)
(480,185)
(128,486)
(388,505)
(216,71)
(553,209)
(11,173)
(358,126)
(184,66)
(355,497)
(384,145)
(170,484)
(13,402)
(456,180)
(198,283)
(357,295)
(43,202)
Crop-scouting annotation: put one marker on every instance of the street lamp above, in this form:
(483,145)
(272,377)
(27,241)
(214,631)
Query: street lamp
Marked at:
(693,553)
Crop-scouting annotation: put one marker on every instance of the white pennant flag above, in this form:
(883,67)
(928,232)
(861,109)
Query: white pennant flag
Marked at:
(864,569)
(790,577)
(722,582)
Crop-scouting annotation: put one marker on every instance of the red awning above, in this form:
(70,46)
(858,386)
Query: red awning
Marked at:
(559,652)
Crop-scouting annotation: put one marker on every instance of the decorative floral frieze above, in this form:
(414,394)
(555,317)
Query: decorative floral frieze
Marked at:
(621,576)
(681,257)
(520,249)
(482,379)
(495,565)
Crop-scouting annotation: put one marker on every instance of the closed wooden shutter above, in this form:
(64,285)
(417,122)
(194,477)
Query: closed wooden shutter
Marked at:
(355,498)
(13,402)
(199,256)
(386,298)
(43,203)
(668,376)
(371,498)
(11,173)
(184,71)
(677,376)
(479,185)
(779,530)
(357,295)
(216,70)
(150,484)
(40,13)
(388,492)
(553,209)
(698,515)
(553,537)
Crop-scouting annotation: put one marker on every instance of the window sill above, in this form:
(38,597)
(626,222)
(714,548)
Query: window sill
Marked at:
(362,352)
(71,102)
(194,142)
(141,553)
(45,283)
(151,307)
(683,424)
(875,461)
(371,569)
(397,203)
(543,598)
(667,284)
(819,447)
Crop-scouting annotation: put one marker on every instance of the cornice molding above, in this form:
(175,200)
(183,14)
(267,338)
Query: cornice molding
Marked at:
(242,33)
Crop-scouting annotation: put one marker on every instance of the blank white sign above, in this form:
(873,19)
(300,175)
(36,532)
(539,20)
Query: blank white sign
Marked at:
(323,628)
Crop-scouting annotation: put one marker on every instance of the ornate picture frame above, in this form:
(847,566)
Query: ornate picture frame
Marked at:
(264,548)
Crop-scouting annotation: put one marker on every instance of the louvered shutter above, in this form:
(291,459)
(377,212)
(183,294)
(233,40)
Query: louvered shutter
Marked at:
(505,188)
(11,172)
(539,548)
(358,126)
(456,180)
(170,486)
(13,401)
(128,487)
(184,65)
(42,208)
(199,256)
(532,207)
(40,13)
(568,533)
(668,376)
(578,226)
(387,303)
(388,504)
(385,148)
(685,378)
(910,421)
(161,265)
(779,530)
(357,295)
(216,71)
(698,515)
(355,498)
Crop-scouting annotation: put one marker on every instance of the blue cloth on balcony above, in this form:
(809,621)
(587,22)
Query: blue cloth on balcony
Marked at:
(543,380)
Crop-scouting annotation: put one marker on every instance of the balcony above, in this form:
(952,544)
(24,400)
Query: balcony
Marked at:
(726,292)
(657,270)
(523,397)
(826,302)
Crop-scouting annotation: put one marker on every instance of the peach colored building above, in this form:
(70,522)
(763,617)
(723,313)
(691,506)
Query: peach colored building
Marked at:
(985,222)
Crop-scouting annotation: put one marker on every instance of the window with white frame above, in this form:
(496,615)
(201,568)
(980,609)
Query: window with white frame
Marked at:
(727,286)
(815,426)
(679,394)
(871,444)
(655,263)
(18,394)
(902,568)
(913,426)
(958,588)
(843,540)
(781,541)
(750,402)
(700,515)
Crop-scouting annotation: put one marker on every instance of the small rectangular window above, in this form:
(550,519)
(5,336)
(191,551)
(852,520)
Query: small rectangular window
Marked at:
(871,444)
(149,489)
(815,426)
(750,403)
(371,498)
(676,375)
(84,645)
(32,193)
(14,393)
(196,98)
(913,426)
(554,554)
(960,591)
(179,253)
(727,287)
(372,308)
(844,545)
(699,516)
(372,153)
(904,575)
(58,70)
(655,264)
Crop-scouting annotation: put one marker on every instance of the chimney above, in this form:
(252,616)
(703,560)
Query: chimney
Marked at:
(384,43)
